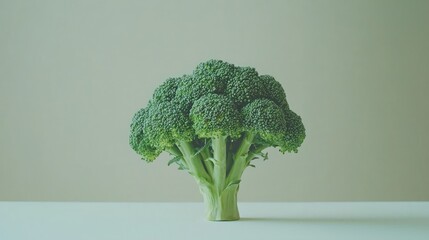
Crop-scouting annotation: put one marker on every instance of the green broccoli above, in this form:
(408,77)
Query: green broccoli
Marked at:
(214,122)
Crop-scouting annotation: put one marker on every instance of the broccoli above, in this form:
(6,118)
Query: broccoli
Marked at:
(215,122)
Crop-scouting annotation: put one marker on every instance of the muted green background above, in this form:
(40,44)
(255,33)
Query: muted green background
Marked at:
(72,73)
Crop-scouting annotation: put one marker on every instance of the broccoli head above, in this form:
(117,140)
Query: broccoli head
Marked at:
(214,122)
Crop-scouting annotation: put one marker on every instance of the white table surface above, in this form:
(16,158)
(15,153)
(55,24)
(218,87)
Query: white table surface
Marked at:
(95,220)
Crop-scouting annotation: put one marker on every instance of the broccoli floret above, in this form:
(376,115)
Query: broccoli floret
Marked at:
(214,74)
(214,115)
(136,134)
(139,141)
(166,91)
(166,124)
(274,91)
(265,119)
(214,122)
(295,133)
(245,86)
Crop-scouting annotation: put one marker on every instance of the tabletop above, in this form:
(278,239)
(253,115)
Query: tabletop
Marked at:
(265,220)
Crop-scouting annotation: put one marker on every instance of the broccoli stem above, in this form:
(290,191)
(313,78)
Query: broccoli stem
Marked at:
(220,207)
(205,154)
(220,196)
(256,152)
(174,150)
(218,186)
(219,156)
(193,161)
(240,159)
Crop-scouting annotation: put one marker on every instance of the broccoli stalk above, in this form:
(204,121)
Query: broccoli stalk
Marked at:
(219,198)
(214,122)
